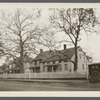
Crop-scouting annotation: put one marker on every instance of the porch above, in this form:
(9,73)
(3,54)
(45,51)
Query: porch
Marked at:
(13,70)
(51,68)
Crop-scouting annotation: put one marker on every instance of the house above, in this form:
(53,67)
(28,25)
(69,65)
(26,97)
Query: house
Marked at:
(59,61)
(11,66)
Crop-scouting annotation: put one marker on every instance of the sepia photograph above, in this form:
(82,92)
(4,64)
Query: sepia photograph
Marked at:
(49,47)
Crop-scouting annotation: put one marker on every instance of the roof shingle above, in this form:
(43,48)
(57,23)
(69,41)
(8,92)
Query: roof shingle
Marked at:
(49,56)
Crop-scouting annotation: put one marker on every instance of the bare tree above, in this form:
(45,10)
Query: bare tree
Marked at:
(21,31)
(48,39)
(73,22)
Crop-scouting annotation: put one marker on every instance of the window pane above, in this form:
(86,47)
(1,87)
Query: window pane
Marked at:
(66,67)
(83,66)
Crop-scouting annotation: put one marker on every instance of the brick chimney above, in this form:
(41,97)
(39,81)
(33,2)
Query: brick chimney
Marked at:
(65,47)
(41,50)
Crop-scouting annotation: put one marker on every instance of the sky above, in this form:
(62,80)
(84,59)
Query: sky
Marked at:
(90,44)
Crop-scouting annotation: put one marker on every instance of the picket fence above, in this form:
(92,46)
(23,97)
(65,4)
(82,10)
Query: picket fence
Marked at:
(44,75)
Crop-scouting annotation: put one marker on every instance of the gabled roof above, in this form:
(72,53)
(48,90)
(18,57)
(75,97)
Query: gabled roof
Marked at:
(49,56)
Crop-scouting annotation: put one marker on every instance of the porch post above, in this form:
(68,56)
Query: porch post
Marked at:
(41,67)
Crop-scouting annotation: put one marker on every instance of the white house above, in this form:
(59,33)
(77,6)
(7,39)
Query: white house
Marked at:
(58,62)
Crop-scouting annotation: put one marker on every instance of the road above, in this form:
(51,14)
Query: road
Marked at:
(69,85)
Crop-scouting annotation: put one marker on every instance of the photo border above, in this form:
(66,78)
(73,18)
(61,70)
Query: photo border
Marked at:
(50,98)
(49,1)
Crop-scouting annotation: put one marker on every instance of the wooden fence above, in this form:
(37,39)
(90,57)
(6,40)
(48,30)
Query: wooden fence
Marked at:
(44,75)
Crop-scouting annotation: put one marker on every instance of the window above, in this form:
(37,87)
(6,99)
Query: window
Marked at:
(92,66)
(37,69)
(38,62)
(35,62)
(55,69)
(83,66)
(80,56)
(50,69)
(66,67)
(96,67)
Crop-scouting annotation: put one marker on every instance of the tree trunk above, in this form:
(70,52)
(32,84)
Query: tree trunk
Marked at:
(21,63)
(21,56)
(76,54)
(76,57)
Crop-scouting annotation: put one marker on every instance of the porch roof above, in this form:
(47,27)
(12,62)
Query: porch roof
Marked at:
(49,56)
(34,67)
(51,65)
(13,69)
